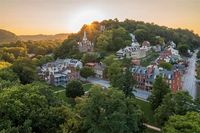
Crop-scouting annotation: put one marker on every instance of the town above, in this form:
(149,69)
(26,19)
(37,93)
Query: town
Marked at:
(169,65)
(99,66)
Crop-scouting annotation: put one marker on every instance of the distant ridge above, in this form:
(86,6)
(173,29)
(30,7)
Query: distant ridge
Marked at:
(7,37)
(40,37)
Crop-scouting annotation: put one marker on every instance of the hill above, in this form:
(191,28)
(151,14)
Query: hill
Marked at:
(7,37)
(41,37)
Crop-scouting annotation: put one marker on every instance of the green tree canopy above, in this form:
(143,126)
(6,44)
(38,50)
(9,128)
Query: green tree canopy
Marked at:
(32,108)
(141,34)
(188,123)
(166,65)
(114,71)
(198,54)
(160,89)
(125,82)
(74,89)
(69,48)
(113,40)
(25,69)
(179,103)
(183,49)
(86,72)
(89,58)
(109,111)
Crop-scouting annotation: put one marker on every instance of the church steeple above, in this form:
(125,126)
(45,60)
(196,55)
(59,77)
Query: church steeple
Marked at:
(85,36)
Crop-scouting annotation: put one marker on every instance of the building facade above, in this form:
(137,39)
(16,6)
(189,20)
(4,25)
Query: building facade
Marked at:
(85,45)
(61,71)
(99,69)
(145,77)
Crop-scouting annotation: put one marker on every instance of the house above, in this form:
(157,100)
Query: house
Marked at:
(85,45)
(157,48)
(169,55)
(61,71)
(145,77)
(128,51)
(146,46)
(172,44)
(133,51)
(99,69)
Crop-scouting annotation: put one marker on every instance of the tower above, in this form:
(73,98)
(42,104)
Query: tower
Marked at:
(85,36)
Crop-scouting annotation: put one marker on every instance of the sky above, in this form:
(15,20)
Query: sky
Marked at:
(25,17)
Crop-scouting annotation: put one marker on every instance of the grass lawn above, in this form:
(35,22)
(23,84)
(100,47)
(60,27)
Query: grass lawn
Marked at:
(87,86)
(148,113)
(57,88)
(61,94)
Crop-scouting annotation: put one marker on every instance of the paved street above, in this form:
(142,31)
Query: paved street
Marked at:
(140,94)
(189,79)
(101,82)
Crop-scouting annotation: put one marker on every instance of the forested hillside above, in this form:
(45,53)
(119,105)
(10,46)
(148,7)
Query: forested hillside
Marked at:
(7,37)
(41,37)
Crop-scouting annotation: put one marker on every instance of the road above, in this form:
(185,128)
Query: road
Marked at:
(140,94)
(189,79)
(101,82)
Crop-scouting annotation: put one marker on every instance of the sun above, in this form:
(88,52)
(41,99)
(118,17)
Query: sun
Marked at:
(82,17)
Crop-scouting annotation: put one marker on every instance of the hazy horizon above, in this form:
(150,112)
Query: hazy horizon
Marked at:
(32,17)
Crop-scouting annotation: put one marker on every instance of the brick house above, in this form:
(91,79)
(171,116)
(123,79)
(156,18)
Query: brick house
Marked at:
(145,77)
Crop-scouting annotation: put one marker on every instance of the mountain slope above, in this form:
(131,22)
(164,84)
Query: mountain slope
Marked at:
(40,37)
(7,37)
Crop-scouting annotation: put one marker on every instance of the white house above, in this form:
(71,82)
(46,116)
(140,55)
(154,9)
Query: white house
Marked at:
(60,71)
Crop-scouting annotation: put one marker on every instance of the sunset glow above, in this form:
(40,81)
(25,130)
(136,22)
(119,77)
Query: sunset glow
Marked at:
(61,16)
(84,16)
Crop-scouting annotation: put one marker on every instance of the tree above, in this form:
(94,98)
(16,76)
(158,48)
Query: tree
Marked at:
(160,89)
(183,49)
(86,72)
(69,48)
(8,74)
(25,69)
(188,123)
(198,54)
(140,34)
(89,58)
(179,103)
(166,65)
(32,108)
(197,103)
(109,111)
(109,60)
(4,64)
(43,59)
(113,40)
(8,57)
(125,83)
(74,89)
(104,40)
(114,72)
